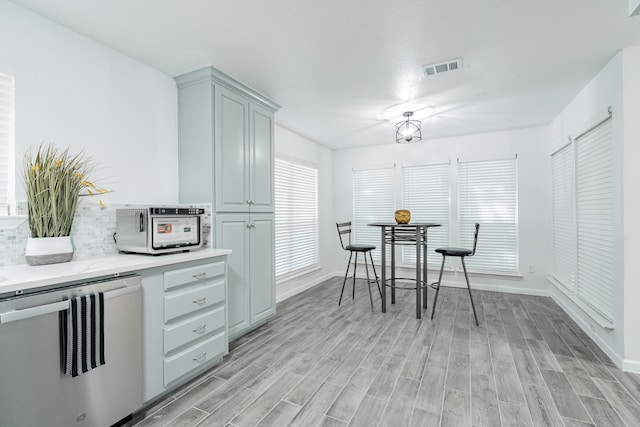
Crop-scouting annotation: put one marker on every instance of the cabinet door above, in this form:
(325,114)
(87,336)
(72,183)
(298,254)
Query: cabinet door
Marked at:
(263,290)
(233,233)
(261,159)
(231,151)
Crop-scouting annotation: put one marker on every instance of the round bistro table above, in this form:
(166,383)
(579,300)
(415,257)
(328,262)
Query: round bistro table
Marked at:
(394,234)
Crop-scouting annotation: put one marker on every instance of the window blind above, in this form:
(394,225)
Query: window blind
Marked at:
(374,201)
(488,195)
(425,192)
(594,219)
(296,217)
(6,141)
(564,238)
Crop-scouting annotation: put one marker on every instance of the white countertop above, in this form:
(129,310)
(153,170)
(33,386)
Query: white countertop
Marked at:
(23,277)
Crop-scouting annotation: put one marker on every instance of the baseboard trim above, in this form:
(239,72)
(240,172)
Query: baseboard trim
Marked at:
(302,288)
(613,355)
(477,286)
(499,288)
(631,365)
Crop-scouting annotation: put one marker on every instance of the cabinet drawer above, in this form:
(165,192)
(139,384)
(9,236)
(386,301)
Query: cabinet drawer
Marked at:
(192,329)
(192,274)
(195,298)
(194,357)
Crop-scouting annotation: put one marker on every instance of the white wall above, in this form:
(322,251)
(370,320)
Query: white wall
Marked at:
(293,145)
(631,178)
(534,195)
(588,108)
(73,91)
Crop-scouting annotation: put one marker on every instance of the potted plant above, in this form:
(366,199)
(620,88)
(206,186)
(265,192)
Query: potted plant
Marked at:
(53,182)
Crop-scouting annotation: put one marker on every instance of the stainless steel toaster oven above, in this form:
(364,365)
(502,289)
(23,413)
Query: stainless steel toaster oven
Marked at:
(159,230)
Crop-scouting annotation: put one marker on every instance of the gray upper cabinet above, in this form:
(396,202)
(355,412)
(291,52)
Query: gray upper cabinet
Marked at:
(226,143)
(244,154)
(233,165)
(261,153)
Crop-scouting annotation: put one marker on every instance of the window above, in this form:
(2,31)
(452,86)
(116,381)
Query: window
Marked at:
(7,120)
(563,217)
(296,217)
(594,209)
(487,192)
(373,201)
(425,192)
(583,244)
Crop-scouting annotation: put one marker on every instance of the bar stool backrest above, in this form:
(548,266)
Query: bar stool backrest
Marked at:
(344,228)
(475,240)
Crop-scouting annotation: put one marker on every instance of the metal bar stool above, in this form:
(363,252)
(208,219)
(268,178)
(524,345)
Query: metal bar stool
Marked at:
(345,228)
(462,253)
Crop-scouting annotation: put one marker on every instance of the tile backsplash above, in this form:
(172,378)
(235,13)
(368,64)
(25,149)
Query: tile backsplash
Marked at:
(92,231)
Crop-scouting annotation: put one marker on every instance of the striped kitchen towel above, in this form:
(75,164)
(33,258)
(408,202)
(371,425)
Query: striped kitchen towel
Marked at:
(83,334)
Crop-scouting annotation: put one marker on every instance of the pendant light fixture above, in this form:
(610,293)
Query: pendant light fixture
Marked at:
(408,130)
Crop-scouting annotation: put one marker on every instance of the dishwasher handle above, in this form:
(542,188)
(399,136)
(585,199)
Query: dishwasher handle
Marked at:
(26,313)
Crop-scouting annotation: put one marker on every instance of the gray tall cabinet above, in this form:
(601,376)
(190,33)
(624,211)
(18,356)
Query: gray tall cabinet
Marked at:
(226,152)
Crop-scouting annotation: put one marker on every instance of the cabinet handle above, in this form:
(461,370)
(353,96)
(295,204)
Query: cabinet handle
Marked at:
(200,357)
(200,300)
(200,276)
(248,225)
(200,329)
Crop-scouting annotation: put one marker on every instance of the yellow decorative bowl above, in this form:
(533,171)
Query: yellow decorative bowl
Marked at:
(402,216)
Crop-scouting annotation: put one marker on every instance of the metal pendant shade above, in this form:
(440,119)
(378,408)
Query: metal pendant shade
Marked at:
(408,130)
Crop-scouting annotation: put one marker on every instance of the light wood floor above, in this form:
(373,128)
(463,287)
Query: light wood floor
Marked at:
(317,364)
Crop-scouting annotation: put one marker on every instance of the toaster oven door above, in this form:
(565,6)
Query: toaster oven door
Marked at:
(175,231)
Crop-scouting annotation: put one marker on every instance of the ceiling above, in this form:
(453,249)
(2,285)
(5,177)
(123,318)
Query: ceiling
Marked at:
(344,71)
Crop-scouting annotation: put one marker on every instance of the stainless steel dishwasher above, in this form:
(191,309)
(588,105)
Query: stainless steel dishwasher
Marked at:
(34,391)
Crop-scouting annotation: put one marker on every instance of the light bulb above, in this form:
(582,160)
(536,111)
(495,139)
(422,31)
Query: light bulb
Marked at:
(407,131)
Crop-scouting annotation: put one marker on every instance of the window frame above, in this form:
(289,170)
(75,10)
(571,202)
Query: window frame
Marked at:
(490,232)
(307,263)
(579,292)
(408,254)
(7,146)
(456,236)
(362,233)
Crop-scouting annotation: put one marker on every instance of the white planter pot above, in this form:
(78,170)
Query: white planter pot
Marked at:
(48,250)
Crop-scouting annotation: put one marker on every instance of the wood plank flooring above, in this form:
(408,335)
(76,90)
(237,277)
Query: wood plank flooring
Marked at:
(317,364)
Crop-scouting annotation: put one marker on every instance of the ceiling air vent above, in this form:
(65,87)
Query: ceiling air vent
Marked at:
(443,67)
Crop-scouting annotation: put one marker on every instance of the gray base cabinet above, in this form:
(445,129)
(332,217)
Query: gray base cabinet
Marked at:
(251,275)
(184,322)
(226,157)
